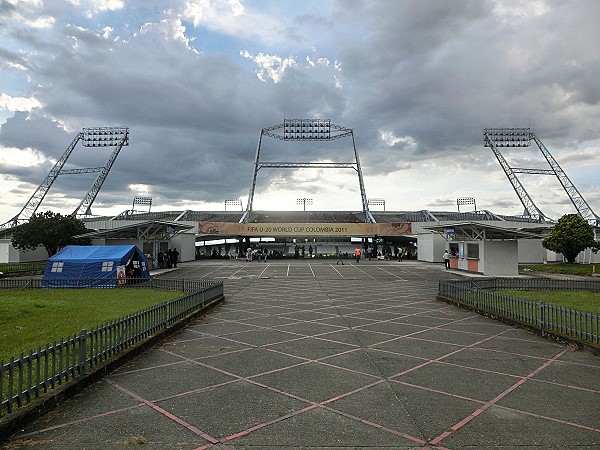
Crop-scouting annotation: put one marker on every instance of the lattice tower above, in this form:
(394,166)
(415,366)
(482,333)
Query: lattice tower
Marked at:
(318,130)
(522,137)
(90,137)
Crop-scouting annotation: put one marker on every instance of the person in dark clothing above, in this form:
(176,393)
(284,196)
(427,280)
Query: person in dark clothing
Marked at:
(174,257)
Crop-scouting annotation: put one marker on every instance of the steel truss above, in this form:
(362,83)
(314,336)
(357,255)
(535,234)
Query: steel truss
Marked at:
(307,130)
(521,137)
(90,137)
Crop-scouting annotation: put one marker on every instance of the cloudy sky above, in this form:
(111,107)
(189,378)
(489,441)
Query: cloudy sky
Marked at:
(196,80)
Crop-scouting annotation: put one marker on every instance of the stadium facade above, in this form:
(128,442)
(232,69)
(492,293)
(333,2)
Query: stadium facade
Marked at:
(480,241)
(423,235)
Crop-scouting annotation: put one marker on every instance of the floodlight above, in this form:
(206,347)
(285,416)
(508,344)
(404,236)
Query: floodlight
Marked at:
(376,202)
(304,202)
(466,201)
(233,202)
(145,201)
(94,137)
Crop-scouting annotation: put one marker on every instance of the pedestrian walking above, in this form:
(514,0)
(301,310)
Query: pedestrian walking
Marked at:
(357,254)
(446,259)
(339,258)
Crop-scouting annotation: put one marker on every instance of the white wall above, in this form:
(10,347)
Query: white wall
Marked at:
(588,257)
(531,251)
(138,243)
(499,258)
(185,244)
(4,252)
(9,254)
(431,247)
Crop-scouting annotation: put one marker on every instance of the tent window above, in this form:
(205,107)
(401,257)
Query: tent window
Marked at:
(57,266)
(107,266)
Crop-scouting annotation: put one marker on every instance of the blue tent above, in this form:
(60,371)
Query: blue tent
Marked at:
(82,265)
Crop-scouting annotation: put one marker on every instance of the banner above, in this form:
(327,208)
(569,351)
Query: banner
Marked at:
(303,229)
(121,275)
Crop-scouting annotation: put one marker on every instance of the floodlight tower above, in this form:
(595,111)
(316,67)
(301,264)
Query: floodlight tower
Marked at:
(143,201)
(304,202)
(234,202)
(377,202)
(307,130)
(521,137)
(466,201)
(90,137)
(101,137)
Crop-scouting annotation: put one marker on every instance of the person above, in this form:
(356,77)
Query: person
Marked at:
(249,254)
(369,252)
(357,253)
(446,259)
(339,256)
(400,254)
(310,250)
(175,257)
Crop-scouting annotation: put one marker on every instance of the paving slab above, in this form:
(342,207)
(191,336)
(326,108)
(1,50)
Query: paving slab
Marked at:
(304,354)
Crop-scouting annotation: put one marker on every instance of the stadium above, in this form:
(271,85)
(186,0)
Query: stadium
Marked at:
(479,240)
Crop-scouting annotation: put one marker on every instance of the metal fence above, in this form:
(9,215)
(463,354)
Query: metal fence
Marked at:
(28,376)
(8,268)
(169,284)
(477,294)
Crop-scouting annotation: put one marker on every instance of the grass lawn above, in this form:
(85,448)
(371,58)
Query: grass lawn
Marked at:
(564,268)
(579,300)
(34,317)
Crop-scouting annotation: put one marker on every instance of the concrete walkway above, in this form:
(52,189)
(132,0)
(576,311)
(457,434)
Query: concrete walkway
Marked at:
(310,354)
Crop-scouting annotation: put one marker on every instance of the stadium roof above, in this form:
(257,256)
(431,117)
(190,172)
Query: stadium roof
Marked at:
(149,230)
(315,216)
(474,231)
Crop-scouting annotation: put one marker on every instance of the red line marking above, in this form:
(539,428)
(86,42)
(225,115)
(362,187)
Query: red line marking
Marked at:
(437,391)
(539,416)
(311,404)
(75,422)
(165,413)
(490,403)
(270,422)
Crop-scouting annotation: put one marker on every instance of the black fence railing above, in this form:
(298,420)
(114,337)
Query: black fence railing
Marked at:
(478,294)
(169,284)
(26,377)
(13,268)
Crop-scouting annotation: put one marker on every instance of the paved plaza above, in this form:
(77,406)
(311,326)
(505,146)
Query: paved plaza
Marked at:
(310,354)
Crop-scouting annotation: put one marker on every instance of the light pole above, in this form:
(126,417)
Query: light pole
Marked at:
(233,201)
(466,201)
(376,202)
(304,202)
(146,201)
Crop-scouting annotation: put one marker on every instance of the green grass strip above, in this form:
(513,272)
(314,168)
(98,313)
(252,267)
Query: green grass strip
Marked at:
(35,317)
(564,268)
(584,301)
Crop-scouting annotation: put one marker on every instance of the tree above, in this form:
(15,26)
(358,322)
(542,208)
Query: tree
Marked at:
(571,235)
(51,230)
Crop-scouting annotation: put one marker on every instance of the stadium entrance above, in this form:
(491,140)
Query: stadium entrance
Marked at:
(304,240)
